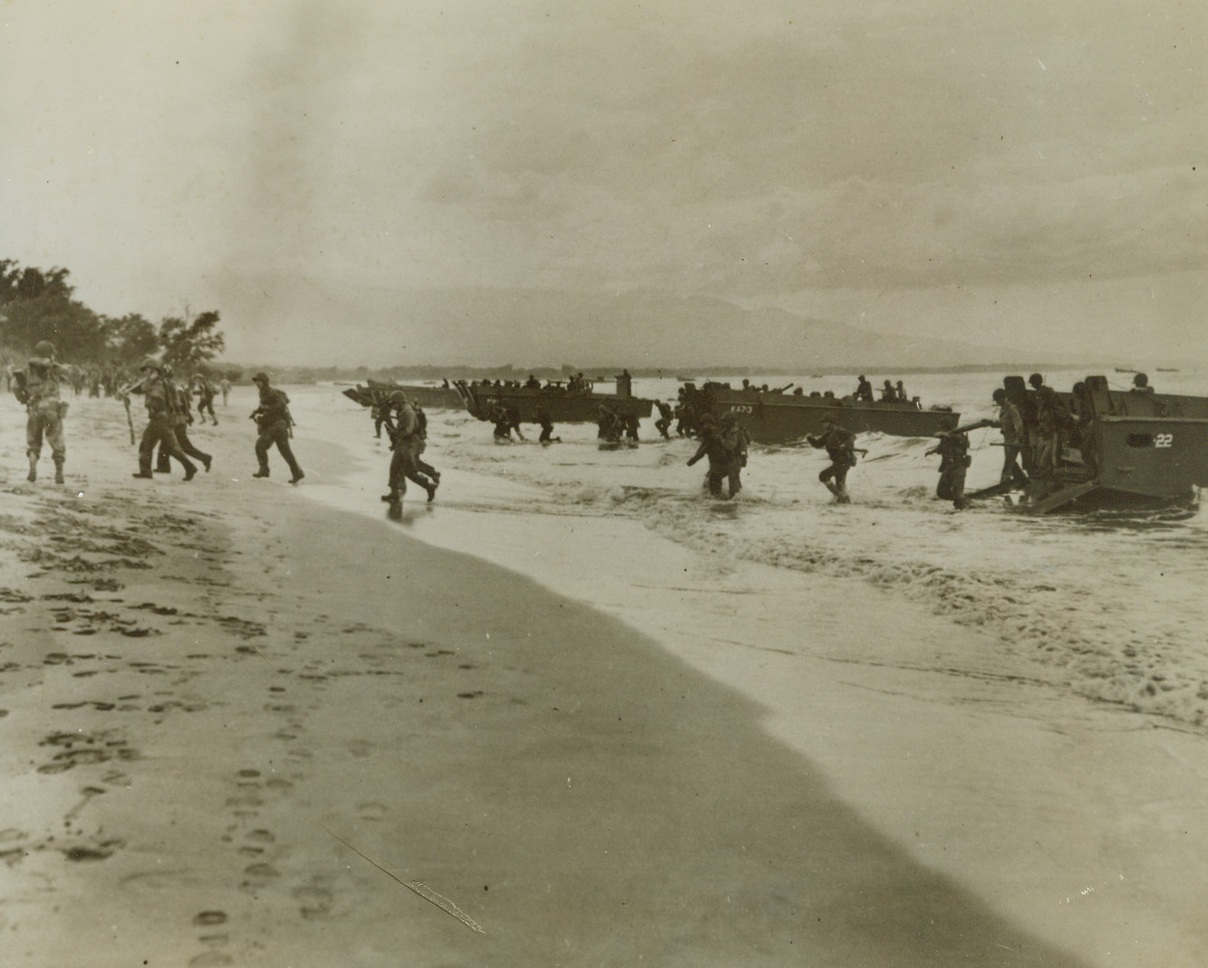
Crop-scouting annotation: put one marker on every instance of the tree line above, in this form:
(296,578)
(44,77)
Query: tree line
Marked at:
(40,304)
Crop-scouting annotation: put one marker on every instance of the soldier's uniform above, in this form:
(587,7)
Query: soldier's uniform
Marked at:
(408,438)
(181,418)
(273,421)
(161,409)
(39,384)
(954,463)
(1014,439)
(840,448)
(205,398)
(664,422)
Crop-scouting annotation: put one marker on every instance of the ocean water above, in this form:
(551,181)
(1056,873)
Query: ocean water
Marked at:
(1111,603)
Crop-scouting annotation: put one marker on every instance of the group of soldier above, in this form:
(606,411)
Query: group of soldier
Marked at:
(1036,430)
(890,392)
(169,405)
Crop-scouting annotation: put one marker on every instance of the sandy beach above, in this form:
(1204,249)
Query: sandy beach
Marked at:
(243,727)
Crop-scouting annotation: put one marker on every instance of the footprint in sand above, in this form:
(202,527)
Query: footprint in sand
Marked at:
(211,959)
(259,875)
(314,900)
(359,748)
(247,805)
(372,811)
(100,851)
(12,844)
(212,940)
(257,842)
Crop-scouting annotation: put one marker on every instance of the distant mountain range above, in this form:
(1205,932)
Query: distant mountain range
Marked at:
(640,329)
(648,329)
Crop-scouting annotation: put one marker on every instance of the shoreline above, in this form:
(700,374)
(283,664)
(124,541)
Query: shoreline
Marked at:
(299,736)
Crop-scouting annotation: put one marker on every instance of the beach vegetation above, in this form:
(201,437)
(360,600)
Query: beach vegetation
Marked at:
(40,304)
(188,343)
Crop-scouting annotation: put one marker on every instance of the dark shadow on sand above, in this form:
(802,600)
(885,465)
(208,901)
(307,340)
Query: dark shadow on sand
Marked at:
(599,802)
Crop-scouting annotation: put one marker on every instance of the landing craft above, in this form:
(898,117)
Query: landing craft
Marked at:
(563,405)
(777,417)
(1127,447)
(427,396)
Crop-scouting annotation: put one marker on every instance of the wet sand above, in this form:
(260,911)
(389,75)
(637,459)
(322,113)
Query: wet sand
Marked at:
(240,728)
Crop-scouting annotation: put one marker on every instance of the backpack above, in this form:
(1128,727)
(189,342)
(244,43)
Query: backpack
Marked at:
(20,387)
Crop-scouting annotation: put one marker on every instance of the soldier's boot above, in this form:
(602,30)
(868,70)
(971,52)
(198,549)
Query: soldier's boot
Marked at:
(190,469)
(58,470)
(841,495)
(33,468)
(262,472)
(144,469)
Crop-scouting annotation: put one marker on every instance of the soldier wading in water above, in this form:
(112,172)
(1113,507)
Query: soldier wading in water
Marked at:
(725,446)
(841,449)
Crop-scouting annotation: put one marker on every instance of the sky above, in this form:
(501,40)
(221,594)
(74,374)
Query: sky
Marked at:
(1027,174)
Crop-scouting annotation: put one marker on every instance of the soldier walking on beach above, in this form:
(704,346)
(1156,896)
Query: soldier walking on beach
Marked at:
(407,434)
(421,432)
(205,398)
(273,422)
(181,417)
(158,396)
(840,448)
(37,386)
(225,386)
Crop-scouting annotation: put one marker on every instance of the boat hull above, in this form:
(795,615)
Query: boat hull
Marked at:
(433,398)
(779,418)
(1159,458)
(428,397)
(1134,448)
(563,406)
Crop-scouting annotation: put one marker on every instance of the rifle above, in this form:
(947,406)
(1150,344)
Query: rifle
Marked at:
(129,419)
(965,428)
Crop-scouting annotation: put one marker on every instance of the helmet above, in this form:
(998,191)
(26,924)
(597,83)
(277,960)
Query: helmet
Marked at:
(999,395)
(397,397)
(150,363)
(728,418)
(1035,380)
(44,348)
(260,377)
